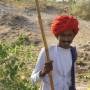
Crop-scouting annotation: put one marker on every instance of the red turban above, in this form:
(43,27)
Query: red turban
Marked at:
(63,23)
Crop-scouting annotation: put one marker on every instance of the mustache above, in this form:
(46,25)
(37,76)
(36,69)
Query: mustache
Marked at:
(67,41)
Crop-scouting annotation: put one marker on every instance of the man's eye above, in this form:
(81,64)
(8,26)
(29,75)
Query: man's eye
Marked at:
(63,35)
(69,34)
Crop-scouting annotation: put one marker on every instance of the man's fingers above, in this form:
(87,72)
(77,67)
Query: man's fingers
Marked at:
(49,62)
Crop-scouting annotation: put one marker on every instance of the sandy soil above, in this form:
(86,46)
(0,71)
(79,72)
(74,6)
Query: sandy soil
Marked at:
(11,28)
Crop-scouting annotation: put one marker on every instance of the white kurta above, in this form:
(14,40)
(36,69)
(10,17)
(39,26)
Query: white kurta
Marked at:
(62,62)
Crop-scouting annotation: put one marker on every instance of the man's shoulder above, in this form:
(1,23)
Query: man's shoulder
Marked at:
(52,47)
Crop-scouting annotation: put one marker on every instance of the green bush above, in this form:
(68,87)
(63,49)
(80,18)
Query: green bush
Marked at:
(3,51)
(16,63)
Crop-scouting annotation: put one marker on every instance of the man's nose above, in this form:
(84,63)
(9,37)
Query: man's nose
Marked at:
(66,38)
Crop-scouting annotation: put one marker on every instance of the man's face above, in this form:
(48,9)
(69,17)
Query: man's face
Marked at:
(66,38)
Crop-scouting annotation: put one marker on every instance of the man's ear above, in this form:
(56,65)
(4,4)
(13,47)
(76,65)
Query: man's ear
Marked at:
(74,34)
(58,37)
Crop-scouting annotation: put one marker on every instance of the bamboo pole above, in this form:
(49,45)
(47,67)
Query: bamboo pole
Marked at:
(45,43)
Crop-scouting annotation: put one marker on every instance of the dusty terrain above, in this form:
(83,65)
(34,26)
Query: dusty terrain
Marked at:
(14,21)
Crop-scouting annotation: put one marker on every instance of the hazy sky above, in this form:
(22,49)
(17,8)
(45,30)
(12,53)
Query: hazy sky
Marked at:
(61,0)
(58,0)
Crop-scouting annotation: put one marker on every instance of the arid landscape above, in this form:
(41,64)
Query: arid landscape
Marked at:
(23,20)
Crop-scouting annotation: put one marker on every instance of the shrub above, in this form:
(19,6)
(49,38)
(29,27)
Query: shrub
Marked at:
(16,63)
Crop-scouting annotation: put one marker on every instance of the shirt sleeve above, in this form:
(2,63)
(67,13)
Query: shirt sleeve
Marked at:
(39,65)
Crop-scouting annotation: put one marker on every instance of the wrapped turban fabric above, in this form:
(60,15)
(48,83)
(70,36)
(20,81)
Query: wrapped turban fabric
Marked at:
(63,23)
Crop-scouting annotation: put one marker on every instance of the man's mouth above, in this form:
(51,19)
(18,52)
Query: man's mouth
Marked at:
(67,42)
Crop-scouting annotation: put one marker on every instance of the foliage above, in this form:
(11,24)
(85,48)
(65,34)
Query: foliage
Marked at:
(16,65)
(3,51)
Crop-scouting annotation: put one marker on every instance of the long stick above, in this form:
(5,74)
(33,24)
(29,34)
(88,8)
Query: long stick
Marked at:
(45,43)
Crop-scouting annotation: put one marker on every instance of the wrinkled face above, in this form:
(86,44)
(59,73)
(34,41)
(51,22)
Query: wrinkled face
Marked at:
(66,38)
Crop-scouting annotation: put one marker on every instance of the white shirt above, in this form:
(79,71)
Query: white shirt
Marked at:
(62,62)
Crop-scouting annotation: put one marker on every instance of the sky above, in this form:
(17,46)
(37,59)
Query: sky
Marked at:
(61,0)
(58,0)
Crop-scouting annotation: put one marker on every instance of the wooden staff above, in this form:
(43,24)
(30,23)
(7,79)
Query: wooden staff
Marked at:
(45,43)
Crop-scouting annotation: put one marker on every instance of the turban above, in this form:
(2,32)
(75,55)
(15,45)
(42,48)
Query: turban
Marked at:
(63,23)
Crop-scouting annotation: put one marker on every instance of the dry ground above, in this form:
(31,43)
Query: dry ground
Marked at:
(11,28)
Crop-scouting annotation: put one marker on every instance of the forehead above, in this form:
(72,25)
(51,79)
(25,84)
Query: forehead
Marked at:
(68,32)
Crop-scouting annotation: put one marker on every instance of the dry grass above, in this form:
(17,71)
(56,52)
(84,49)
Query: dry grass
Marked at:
(81,9)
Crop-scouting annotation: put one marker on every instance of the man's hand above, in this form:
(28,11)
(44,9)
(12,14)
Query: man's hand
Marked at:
(47,68)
